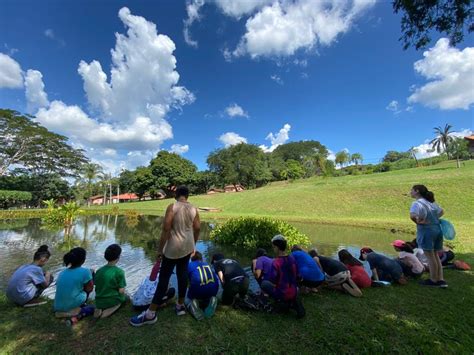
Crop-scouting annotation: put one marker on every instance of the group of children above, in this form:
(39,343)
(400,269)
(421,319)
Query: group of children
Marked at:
(281,279)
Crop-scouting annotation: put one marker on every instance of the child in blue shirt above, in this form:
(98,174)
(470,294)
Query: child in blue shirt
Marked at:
(73,286)
(203,287)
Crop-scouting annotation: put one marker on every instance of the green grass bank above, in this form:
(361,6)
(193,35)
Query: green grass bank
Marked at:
(376,201)
(397,319)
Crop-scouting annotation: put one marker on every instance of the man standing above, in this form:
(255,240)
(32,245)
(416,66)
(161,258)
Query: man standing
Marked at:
(180,233)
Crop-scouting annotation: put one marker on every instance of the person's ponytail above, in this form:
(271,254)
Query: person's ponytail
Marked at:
(424,192)
(75,257)
(42,252)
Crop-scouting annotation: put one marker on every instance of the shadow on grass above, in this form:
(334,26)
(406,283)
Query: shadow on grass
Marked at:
(408,319)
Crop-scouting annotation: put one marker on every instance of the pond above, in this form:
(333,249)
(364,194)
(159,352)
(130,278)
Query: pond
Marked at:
(138,238)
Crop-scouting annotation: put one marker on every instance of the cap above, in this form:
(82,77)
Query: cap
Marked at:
(398,243)
(278,237)
(366,250)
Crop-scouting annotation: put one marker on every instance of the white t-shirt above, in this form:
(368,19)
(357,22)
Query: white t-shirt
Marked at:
(22,286)
(411,260)
(420,208)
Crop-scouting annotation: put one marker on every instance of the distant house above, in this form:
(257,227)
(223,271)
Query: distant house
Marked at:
(127,197)
(96,200)
(227,188)
(214,191)
(470,141)
(233,188)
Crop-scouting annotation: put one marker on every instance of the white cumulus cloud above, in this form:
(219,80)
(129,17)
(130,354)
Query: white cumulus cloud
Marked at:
(126,121)
(288,26)
(277,139)
(141,53)
(36,97)
(231,138)
(425,150)
(393,106)
(235,110)
(179,148)
(450,72)
(10,73)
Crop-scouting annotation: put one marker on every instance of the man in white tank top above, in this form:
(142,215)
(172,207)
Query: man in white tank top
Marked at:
(181,227)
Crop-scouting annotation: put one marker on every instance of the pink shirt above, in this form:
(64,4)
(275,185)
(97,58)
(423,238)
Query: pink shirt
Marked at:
(411,260)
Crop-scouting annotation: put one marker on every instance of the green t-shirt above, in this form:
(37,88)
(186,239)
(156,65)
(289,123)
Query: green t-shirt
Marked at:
(108,280)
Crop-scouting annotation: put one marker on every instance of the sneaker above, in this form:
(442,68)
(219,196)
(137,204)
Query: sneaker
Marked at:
(180,309)
(211,308)
(194,309)
(442,284)
(428,282)
(34,302)
(141,319)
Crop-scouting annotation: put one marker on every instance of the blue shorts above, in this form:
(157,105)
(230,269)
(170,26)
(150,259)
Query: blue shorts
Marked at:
(429,237)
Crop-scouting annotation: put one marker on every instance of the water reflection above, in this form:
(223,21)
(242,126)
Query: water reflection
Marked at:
(139,239)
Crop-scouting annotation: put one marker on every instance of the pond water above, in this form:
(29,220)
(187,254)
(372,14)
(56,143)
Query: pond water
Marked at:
(138,237)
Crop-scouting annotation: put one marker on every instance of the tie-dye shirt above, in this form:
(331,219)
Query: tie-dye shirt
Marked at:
(283,275)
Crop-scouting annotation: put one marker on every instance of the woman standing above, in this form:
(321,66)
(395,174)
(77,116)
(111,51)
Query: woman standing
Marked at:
(180,233)
(425,213)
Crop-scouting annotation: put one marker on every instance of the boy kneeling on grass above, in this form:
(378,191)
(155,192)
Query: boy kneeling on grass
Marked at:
(109,284)
(203,287)
(282,283)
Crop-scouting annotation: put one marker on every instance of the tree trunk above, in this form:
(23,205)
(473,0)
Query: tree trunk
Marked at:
(110,190)
(118,193)
(105,195)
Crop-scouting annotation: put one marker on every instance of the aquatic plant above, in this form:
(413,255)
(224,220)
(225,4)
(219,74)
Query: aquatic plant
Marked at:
(252,232)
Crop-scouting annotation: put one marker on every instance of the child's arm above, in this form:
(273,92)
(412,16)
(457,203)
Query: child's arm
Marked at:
(375,276)
(89,286)
(221,276)
(165,233)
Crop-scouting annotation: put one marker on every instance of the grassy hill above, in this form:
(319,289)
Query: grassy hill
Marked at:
(377,200)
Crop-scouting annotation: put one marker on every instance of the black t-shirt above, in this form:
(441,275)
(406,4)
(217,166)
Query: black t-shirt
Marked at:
(230,268)
(331,266)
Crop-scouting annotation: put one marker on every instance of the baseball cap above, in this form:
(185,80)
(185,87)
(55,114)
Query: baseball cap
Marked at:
(398,243)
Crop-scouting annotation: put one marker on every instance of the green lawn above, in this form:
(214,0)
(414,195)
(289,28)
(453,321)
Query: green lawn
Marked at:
(397,319)
(377,200)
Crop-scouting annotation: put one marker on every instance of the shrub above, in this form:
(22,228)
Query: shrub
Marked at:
(253,232)
(10,198)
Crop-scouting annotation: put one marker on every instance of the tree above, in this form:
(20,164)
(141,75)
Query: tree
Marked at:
(356,158)
(314,164)
(143,181)
(13,198)
(294,170)
(392,156)
(91,172)
(413,151)
(421,17)
(342,158)
(298,150)
(459,148)
(27,143)
(243,163)
(126,180)
(170,169)
(203,181)
(442,140)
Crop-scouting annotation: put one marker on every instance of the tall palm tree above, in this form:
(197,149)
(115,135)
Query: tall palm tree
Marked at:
(91,171)
(356,158)
(443,139)
(413,151)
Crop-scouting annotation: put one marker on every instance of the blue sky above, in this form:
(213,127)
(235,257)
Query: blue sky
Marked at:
(263,71)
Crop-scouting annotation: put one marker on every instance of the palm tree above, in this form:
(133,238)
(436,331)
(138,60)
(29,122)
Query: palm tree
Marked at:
(106,178)
(342,158)
(356,158)
(443,139)
(413,151)
(91,171)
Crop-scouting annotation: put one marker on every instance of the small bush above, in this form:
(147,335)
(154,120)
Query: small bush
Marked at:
(253,232)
